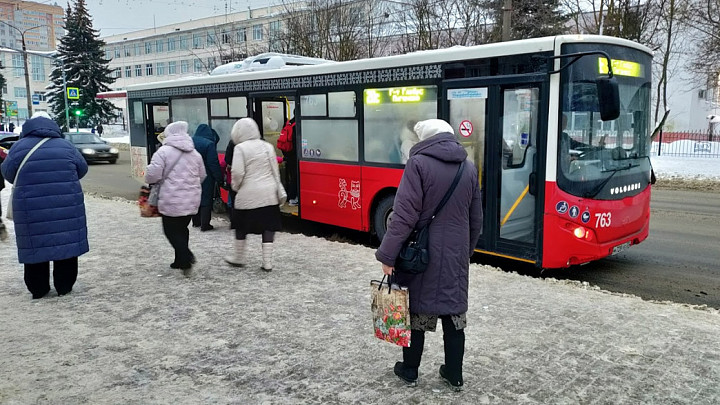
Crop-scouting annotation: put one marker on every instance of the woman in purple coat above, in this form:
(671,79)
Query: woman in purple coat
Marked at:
(442,290)
(181,170)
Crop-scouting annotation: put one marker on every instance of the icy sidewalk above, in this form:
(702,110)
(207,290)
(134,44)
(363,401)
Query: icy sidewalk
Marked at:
(135,331)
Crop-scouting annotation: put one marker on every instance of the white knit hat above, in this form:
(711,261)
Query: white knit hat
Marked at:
(426,129)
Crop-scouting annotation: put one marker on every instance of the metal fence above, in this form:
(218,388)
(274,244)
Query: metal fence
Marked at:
(687,144)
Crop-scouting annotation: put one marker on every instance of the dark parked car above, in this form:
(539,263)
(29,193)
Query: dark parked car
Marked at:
(7,139)
(92,147)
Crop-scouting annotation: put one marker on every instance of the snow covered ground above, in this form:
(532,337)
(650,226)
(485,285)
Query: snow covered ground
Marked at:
(135,331)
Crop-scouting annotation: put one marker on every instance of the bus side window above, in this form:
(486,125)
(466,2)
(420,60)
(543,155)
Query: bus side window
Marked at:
(389,115)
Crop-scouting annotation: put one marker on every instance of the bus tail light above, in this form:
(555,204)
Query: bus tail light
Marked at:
(580,232)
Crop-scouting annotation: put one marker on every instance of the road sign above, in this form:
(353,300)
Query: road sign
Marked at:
(73,93)
(36,99)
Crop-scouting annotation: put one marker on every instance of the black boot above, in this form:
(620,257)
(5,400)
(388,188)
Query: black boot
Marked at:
(408,375)
(454,384)
(454,345)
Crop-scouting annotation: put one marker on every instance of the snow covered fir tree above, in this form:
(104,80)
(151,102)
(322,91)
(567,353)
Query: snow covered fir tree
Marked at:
(83,61)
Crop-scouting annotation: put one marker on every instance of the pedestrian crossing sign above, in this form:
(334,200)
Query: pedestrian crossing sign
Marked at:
(73,93)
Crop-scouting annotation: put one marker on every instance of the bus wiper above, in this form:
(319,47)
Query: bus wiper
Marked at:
(600,186)
(619,169)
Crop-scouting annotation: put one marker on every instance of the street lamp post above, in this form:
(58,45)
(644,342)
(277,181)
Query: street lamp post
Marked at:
(25,63)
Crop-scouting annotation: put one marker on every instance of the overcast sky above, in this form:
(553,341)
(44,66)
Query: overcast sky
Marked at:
(120,16)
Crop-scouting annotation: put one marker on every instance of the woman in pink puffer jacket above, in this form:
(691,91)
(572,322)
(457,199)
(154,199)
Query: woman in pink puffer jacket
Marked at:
(181,170)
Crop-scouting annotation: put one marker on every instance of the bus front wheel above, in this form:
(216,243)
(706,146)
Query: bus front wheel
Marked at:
(383,216)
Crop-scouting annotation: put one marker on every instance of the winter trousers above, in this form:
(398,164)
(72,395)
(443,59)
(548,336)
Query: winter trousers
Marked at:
(37,276)
(231,208)
(454,340)
(177,233)
(202,218)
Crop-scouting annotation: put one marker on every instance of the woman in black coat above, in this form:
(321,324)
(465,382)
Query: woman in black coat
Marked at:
(442,290)
(205,141)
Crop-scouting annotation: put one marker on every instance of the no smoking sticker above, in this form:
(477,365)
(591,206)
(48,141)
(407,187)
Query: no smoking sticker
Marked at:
(466,128)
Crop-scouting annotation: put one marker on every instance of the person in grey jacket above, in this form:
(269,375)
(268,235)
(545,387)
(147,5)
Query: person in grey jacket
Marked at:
(442,290)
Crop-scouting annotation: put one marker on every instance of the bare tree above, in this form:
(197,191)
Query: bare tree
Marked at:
(704,16)
(334,29)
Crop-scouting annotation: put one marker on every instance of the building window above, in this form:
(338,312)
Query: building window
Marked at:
(171,68)
(160,68)
(160,45)
(211,38)
(148,69)
(20,92)
(136,49)
(117,51)
(171,44)
(184,66)
(37,68)
(226,37)
(148,47)
(184,43)
(128,71)
(117,72)
(198,67)
(241,35)
(127,51)
(138,70)
(18,66)
(257,32)
(211,63)
(273,28)
(198,41)
(108,54)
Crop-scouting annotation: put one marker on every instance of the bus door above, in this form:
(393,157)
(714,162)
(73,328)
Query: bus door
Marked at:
(498,126)
(157,116)
(271,112)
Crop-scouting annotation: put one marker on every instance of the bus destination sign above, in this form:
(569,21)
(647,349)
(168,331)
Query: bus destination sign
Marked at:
(394,95)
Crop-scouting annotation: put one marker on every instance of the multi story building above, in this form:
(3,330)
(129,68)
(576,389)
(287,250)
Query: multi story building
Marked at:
(41,26)
(188,48)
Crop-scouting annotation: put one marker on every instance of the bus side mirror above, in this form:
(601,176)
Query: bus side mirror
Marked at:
(608,98)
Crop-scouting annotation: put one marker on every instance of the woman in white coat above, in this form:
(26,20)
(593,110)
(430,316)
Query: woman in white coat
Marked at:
(256,179)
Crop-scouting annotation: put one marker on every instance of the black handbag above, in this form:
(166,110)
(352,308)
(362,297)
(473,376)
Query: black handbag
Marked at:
(414,255)
(218,205)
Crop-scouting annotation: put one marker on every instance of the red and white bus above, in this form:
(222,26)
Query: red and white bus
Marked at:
(561,186)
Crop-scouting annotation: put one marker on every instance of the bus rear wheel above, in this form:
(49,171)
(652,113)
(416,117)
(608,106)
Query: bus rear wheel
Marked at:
(383,216)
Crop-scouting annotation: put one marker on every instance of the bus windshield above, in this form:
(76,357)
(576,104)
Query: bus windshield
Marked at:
(604,159)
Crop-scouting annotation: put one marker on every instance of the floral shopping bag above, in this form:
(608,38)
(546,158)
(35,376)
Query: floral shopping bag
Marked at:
(390,309)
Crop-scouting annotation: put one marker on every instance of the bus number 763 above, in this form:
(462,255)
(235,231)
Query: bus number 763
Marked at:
(602,220)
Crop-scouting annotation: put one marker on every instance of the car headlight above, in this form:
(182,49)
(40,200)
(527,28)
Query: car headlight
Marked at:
(88,151)
(113,150)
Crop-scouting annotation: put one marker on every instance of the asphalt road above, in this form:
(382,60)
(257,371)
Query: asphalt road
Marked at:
(680,260)
(112,180)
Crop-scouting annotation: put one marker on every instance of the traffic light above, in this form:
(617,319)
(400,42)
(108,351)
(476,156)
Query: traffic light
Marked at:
(77,111)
